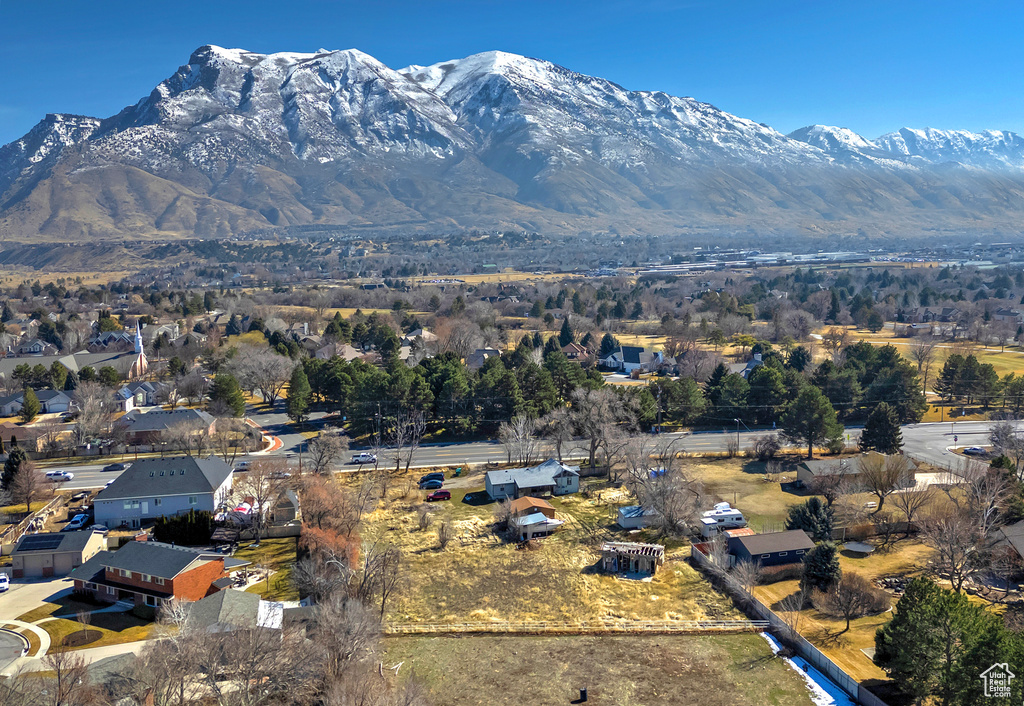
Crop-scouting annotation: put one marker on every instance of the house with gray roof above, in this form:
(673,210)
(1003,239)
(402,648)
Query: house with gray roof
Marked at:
(230,610)
(150,573)
(149,427)
(548,478)
(54,553)
(163,487)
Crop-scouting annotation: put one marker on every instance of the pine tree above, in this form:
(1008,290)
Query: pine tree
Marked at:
(566,335)
(821,567)
(813,517)
(608,345)
(882,431)
(11,467)
(810,419)
(225,391)
(298,395)
(29,406)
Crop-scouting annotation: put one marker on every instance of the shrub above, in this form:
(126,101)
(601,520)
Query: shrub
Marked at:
(767,447)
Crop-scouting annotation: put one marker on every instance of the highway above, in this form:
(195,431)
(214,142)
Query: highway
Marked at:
(925,442)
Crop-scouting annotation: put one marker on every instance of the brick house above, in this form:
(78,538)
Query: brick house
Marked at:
(151,573)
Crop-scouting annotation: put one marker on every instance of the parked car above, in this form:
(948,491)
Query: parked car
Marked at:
(364,458)
(975,451)
(431,484)
(115,467)
(432,476)
(5,582)
(439,495)
(77,522)
(242,466)
(280,475)
(59,476)
(102,529)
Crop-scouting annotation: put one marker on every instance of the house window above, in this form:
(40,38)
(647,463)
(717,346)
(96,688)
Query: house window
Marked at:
(90,586)
(193,499)
(161,474)
(111,590)
(146,577)
(125,573)
(157,502)
(131,504)
(765,556)
(172,472)
(151,601)
(799,551)
(158,581)
(783,553)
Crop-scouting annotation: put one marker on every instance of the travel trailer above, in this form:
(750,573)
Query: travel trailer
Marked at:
(721,517)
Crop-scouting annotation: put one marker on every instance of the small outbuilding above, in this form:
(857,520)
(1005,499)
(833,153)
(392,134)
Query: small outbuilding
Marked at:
(54,553)
(631,558)
(634,517)
(771,548)
(529,505)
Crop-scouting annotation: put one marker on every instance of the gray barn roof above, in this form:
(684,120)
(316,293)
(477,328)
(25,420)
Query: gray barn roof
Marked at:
(772,542)
(179,475)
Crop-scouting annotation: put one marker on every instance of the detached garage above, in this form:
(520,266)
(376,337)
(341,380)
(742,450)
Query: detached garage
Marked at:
(54,553)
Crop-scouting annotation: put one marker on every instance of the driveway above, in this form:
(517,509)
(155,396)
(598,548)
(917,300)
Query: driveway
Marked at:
(26,594)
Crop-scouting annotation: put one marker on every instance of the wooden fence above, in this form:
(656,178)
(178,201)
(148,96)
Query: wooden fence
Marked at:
(815,657)
(654,627)
(13,533)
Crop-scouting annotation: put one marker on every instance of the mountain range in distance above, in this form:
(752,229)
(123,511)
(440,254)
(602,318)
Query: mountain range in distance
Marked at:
(236,141)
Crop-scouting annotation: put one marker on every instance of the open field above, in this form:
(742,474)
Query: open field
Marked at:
(741,482)
(481,578)
(909,558)
(733,670)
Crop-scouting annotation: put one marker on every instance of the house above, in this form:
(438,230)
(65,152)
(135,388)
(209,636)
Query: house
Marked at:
(54,553)
(230,610)
(150,427)
(574,351)
(770,549)
(124,400)
(144,393)
(34,347)
(477,358)
(420,337)
(536,524)
(634,517)
(156,487)
(151,332)
(152,573)
(808,471)
(753,363)
(548,478)
(344,351)
(528,505)
(50,402)
(631,558)
(627,358)
(1010,541)
(1011,315)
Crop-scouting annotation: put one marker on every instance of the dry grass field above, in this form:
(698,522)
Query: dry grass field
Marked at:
(728,670)
(481,578)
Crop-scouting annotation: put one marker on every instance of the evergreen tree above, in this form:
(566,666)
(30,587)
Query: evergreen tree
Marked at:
(298,395)
(29,406)
(882,431)
(799,359)
(833,308)
(813,517)
(821,567)
(71,381)
(225,391)
(566,335)
(551,346)
(15,458)
(810,419)
(233,326)
(58,376)
(608,345)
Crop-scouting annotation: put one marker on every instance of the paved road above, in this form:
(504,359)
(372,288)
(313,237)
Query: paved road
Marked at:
(926,442)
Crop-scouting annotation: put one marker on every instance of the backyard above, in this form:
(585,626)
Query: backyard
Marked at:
(727,670)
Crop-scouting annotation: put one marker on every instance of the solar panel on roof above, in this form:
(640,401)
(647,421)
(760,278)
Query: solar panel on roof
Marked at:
(40,542)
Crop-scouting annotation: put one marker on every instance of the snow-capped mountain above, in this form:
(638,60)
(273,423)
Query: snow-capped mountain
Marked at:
(235,140)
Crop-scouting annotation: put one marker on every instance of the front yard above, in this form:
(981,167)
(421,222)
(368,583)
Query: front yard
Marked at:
(279,556)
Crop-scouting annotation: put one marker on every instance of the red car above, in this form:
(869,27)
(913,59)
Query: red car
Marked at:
(439,495)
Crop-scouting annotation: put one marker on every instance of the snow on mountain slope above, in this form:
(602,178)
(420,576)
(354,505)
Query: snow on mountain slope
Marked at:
(47,139)
(988,149)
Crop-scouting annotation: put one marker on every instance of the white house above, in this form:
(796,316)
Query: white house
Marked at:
(156,487)
(549,478)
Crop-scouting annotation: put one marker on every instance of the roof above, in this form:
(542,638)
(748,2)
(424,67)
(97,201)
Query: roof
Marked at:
(633,354)
(537,518)
(233,608)
(828,467)
(163,419)
(72,361)
(772,542)
(53,542)
(633,548)
(532,477)
(634,511)
(527,503)
(1014,536)
(154,558)
(177,475)
(738,532)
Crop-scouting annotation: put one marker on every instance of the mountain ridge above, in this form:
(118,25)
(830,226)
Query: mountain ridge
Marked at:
(236,140)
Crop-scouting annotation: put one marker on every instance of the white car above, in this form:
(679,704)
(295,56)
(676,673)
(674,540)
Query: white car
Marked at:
(59,476)
(5,582)
(242,466)
(76,523)
(364,458)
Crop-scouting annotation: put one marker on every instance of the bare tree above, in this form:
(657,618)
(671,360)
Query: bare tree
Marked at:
(321,578)
(958,542)
(191,437)
(883,475)
(593,412)
(27,485)
(1007,441)
(262,485)
(380,574)
(261,370)
(445,532)
(325,450)
(922,352)
(834,341)
(406,434)
(232,437)
(519,439)
(192,387)
(746,575)
(852,596)
(911,503)
(96,409)
(831,486)
(557,427)
(673,501)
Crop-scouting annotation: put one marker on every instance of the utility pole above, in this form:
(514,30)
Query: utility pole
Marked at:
(737,420)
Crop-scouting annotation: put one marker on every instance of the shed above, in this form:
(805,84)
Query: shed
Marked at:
(631,557)
(634,517)
(54,553)
(772,548)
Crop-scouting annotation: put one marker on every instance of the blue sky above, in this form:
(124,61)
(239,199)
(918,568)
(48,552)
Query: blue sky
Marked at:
(868,65)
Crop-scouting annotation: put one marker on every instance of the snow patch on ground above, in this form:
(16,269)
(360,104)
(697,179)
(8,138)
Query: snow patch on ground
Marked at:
(824,692)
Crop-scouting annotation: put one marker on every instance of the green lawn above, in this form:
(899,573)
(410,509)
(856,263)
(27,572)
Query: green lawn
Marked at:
(279,555)
(114,629)
(628,670)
